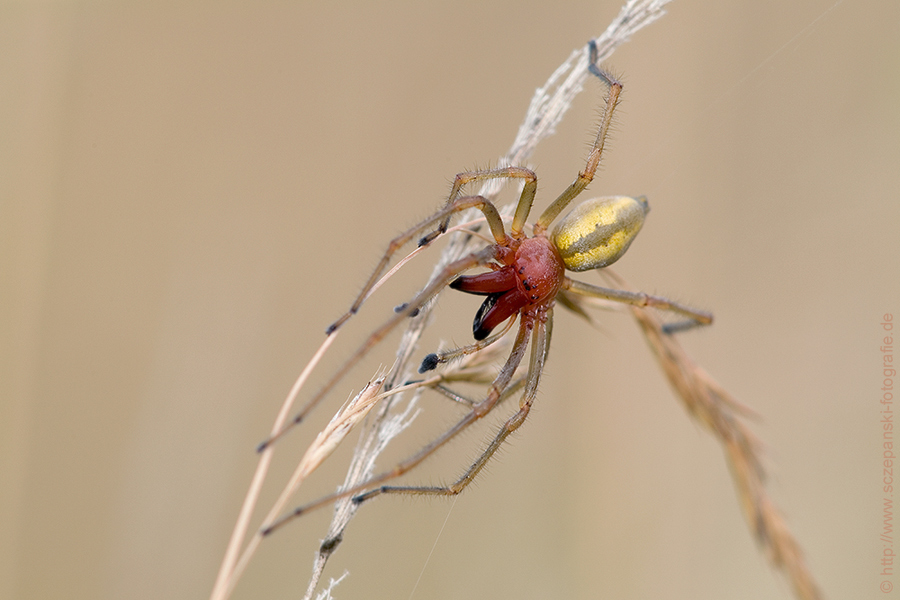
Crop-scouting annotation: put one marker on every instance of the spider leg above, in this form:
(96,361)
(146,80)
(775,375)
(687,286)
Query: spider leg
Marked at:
(444,390)
(500,384)
(679,326)
(447,274)
(697,317)
(431,361)
(593,160)
(539,347)
(457,205)
(522,208)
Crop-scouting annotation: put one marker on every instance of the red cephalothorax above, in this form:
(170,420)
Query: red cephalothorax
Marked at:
(527,283)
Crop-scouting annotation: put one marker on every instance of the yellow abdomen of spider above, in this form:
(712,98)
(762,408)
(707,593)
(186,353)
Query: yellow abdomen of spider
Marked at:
(598,232)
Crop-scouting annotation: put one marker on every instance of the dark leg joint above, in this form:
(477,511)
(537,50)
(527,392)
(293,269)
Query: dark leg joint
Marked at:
(429,363)
(431,236)
(357,500)
(595,69)
(400,308)
(678,327)
(330,544)
(592,58)
(334,326)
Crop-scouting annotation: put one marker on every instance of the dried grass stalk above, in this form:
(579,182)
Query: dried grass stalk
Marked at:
(547,108)
(711,405)
(723,416)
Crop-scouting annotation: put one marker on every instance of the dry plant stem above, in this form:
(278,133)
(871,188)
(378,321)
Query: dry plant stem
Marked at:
(713,407)
(547,108)
(329,439)
(544,114)
(227,577)
(325,443)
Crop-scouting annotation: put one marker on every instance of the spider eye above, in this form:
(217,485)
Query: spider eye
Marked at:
(598,232)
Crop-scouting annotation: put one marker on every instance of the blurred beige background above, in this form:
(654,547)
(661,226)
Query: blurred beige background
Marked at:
(190,192)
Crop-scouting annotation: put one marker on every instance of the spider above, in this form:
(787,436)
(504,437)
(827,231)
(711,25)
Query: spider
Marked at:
(525,275)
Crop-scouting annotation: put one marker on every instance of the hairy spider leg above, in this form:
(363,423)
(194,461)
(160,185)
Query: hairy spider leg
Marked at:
(447,274)
(431,361)
(498,391)
(539,348)
(696,317)
(522,208)
(593,160)
(457,205)
(444,390)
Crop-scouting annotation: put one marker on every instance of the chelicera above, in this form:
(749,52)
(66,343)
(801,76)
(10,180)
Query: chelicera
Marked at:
(527,284)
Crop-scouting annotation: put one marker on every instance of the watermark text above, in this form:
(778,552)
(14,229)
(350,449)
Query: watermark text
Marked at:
(888,454)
